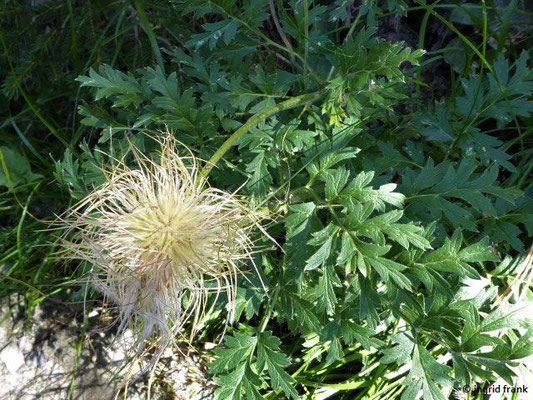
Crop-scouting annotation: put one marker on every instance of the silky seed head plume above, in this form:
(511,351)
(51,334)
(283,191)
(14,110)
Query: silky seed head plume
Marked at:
(160,242)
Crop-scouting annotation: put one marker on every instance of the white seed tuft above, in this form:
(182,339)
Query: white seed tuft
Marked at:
(160,242)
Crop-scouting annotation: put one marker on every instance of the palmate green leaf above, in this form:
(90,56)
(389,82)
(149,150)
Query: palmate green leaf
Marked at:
(330,334)
(67,173)
(230,384)
(358,189)
(345,331)
(300,214)
(425,375)
(241,379)
(480,347)
(478,252)
(495,361)
(184,116)
(252,12)
(512,224)
(369,302)
(233,367)
(433,280)
(237,94)
(250,384)
(503,231)
(362,58)
(437,127)
(385,224)
(434,187)
(95,116)
(260,90)
(450,257)
(390,271)
(470,104)
(242,374)
(320,257)
(523,347)
(331,150)
(238,348)
(366,67)
(297,27)
(249,298)
(353,333)
(478,341)
(469,314)
(335,182)
(166,87)
(293,140)
(401,352)
(201,76)
(347,249)
(278,83)
(325,290)
(298,225)
(487,148)
(508,93)
(329,159)
(269,356)
(406,235)
(124,89)
(261,178)
(504,317)
(327,240)
(214,31)
(260,137)
(299,312)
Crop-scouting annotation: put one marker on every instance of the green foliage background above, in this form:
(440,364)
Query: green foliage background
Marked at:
(392,195)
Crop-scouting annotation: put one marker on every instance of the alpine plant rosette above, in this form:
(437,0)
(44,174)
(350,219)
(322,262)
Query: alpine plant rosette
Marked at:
(161,241)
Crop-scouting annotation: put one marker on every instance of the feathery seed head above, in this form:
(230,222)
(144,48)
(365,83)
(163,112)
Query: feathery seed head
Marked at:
(160,241)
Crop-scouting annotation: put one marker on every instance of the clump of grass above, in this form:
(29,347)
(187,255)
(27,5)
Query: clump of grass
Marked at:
(161,241)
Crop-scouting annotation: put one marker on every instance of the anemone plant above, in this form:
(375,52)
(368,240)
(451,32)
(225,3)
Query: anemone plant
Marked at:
(160,242)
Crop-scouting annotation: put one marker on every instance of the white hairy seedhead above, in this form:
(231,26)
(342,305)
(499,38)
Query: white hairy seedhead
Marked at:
(161,241)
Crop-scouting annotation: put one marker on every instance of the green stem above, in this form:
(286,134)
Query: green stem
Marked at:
(269,41)
(524,176)
(306,41)
(270,308)
(429,8)
(73,37)
(38,114)
(350,32)
(485,27)
(149,32)
(28,99)
(20,225)
(253,121)
(282,35)
(421,41)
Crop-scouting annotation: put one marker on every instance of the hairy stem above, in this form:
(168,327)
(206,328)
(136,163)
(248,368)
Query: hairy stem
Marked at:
(253,121)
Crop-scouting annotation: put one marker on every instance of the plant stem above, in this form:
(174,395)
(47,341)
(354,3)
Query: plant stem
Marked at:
(20,225)
(73,37)
(280,32)
(253,121)
(270,307)
(429,8)
(149,32)
(28,99)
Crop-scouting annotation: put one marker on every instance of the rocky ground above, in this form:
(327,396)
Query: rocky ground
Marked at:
(54,355)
